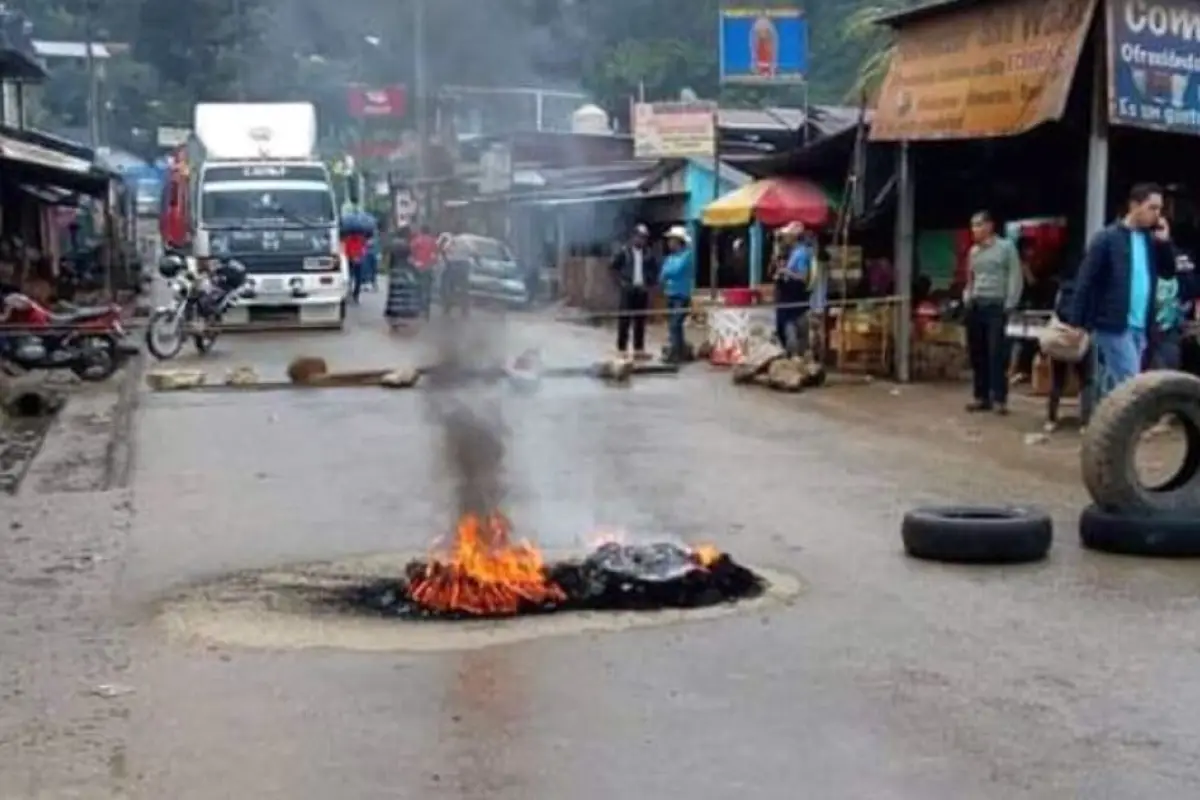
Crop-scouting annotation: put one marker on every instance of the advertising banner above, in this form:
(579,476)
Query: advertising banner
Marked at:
(983,71)
(385,101)
(674,130)
(763,45)
(1154,64)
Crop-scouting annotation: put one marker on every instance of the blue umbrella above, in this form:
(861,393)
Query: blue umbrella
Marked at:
(358,222)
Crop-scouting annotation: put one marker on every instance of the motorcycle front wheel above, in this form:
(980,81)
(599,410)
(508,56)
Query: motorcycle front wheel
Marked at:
(97,359)
(164,334)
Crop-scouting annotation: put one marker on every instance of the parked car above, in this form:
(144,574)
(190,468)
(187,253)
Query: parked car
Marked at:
(494,274)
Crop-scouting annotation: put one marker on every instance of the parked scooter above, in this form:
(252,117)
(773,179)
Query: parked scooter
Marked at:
(199,302)
(90,342)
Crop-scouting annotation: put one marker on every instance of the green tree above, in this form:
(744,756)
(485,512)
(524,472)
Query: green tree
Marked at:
(876,45)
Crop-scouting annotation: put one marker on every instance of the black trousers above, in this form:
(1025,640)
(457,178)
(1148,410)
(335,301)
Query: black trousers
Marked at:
(1059,372)
(634,303)
(988,348)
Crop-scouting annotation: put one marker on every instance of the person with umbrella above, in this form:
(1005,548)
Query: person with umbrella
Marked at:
(356,231)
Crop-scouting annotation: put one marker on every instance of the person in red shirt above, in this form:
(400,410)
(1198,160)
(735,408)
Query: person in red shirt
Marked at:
(424,257)
(354,244)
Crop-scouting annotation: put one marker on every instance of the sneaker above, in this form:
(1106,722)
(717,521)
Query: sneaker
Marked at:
(1050,427)
(977,406)
(641,355)
(1002,409)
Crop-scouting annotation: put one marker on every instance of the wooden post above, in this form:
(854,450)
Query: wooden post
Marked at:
(905,234)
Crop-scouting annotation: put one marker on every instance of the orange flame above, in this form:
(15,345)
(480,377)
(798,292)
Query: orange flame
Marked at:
(705,555)
(485,573)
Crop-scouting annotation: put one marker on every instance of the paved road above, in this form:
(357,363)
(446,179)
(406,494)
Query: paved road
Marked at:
(885,679)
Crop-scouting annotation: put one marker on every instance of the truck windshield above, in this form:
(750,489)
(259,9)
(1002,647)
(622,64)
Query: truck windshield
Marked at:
(235,205)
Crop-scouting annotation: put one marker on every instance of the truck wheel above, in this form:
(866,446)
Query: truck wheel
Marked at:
(1158,536)
(1114,433)
(977,534)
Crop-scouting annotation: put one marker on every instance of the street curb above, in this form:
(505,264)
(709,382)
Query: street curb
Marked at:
(119,454)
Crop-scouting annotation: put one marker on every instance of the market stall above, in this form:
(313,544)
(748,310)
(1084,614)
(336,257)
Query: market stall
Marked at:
(765,203)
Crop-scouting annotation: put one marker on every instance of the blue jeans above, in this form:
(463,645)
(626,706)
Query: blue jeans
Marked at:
(1119,358)
(678,308)
(356,279)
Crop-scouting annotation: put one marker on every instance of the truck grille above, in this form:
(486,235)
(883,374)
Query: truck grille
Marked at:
(259,263)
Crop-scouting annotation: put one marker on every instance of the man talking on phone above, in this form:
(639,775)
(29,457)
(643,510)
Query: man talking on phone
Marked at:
(1117,283)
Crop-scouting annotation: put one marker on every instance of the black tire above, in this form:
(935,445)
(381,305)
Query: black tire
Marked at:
(1111,440)
(1159,536)
(977,534)
(99,360)
(152,344)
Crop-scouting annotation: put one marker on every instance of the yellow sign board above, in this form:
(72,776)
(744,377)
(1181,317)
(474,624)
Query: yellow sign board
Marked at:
(982,71)
(674,130)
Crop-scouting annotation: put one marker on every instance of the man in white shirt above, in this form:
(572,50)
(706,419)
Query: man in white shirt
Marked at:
(636,271)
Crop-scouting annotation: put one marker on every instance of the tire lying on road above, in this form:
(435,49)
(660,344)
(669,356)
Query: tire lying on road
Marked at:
(1160,535)
(1111,441)
(977,534)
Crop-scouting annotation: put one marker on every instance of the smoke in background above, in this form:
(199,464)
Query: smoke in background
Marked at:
(467,42)
(466,410)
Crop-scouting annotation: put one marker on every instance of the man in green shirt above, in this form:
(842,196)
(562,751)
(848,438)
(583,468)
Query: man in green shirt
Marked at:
(994,284)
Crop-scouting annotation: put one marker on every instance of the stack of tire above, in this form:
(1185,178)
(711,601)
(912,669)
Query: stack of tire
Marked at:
(1126,516)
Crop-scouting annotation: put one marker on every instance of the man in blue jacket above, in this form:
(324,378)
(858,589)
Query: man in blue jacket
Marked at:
(1117,283)
(677,277)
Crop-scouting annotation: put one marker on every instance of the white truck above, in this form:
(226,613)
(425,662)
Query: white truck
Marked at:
(258,193)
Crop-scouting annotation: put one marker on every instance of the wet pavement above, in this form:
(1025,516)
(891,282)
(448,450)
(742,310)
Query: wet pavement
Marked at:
(885,678)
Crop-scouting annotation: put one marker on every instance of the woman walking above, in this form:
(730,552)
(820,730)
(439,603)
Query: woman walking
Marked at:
(404,286)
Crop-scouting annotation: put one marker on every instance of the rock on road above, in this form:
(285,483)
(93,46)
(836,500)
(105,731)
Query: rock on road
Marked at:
(886,678)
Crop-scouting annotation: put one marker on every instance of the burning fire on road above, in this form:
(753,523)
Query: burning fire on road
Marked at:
(485,573)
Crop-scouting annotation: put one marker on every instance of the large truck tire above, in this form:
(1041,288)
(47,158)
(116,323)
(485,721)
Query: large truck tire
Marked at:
(1112,437)
(977,534)
(1157,536)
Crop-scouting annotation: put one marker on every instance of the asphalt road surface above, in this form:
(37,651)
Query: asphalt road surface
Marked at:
(885,678)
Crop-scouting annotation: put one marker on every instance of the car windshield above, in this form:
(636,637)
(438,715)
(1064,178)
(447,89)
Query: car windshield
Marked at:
(298,206)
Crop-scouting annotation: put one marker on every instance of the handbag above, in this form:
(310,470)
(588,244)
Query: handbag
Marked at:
(1061,342)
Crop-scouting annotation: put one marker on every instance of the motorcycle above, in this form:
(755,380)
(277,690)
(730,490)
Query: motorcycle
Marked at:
(89,342)
(199,302)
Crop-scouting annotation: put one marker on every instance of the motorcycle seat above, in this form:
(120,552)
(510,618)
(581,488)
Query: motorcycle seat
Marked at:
(80,314)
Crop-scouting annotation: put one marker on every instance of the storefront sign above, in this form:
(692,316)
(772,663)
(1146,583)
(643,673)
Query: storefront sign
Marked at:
(763,45)
(1154,64)
(384,101)
(674,130)
(982,71)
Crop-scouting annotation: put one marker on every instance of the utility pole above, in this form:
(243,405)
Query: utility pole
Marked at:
(238,61)
(420,90)
(93,102)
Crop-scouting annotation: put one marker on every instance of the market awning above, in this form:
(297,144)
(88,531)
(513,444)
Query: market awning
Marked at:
(947,80)
(53,166)
(771,201)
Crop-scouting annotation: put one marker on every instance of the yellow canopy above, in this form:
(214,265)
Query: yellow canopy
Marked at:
(771,201)
(736,208)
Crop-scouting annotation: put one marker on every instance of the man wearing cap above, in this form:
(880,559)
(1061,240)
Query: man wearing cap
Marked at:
(677,278)
(636,272)
(792,288)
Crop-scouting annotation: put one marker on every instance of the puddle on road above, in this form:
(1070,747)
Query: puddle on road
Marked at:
(287,609)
